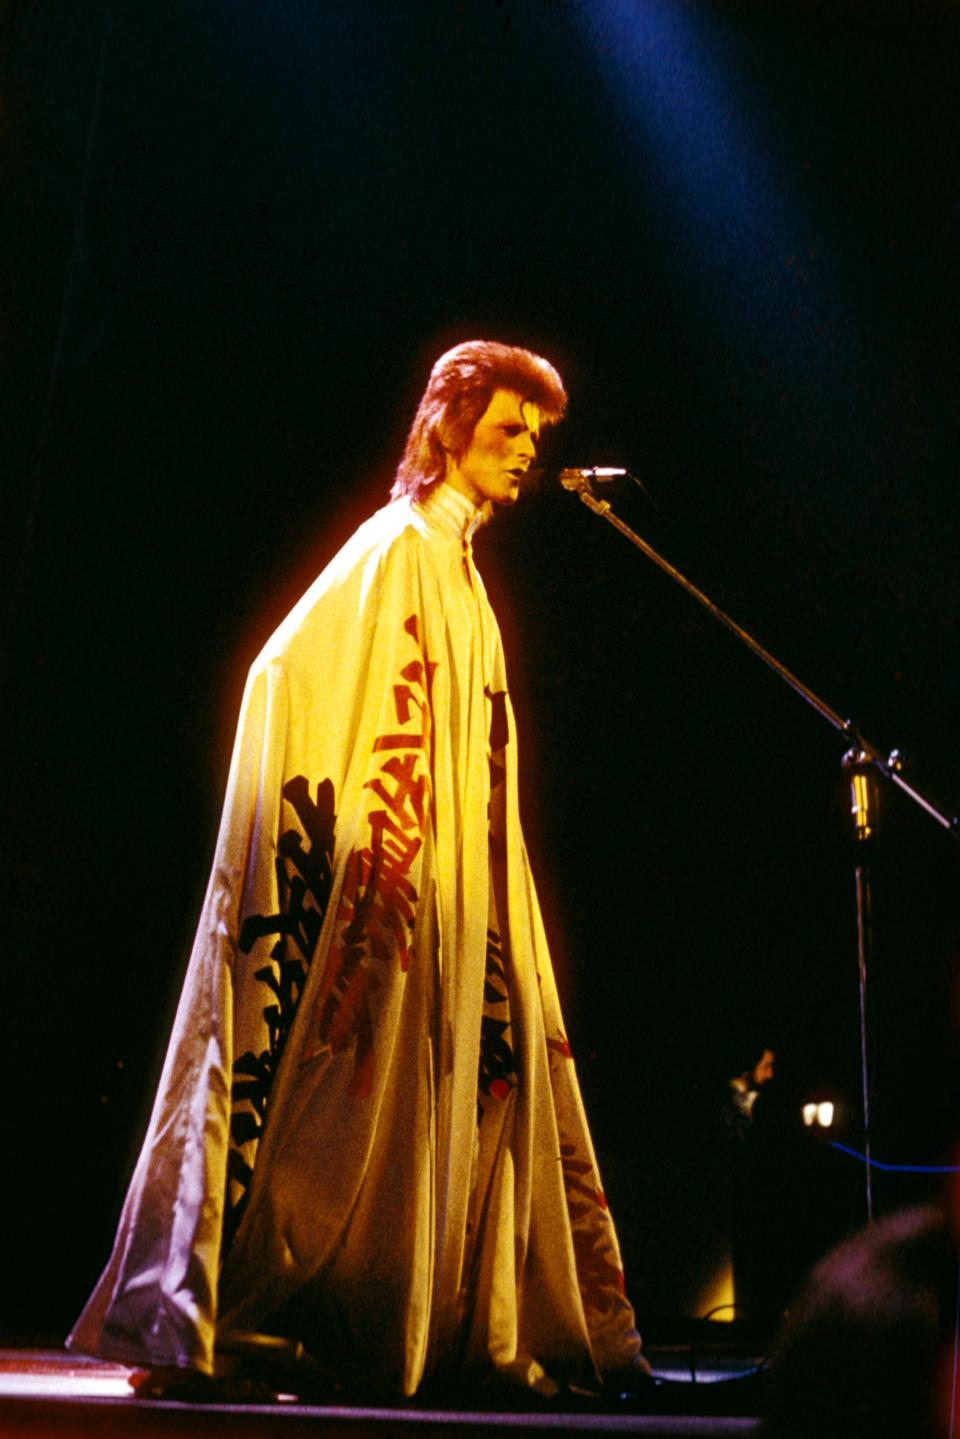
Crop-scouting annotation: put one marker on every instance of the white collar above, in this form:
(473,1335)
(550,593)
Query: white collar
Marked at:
(448,510)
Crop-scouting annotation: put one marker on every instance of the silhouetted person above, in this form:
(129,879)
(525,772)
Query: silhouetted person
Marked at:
(862,1355)
(749,1139)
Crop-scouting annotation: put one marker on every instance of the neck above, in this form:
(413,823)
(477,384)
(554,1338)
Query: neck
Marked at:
(456,481)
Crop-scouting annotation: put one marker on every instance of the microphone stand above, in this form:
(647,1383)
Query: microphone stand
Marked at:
(862,762)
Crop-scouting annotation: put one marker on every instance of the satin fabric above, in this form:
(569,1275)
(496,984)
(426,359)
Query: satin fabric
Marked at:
(368,1133)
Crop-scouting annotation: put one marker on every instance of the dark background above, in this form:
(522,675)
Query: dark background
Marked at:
(235,238)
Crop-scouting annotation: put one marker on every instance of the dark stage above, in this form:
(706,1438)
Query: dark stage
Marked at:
(44,1393)
(237,236)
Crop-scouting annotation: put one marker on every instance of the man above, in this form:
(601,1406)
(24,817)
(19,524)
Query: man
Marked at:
(742,1092)
(368,1136)
(756,1175)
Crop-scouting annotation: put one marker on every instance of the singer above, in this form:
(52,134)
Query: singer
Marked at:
(368,1136)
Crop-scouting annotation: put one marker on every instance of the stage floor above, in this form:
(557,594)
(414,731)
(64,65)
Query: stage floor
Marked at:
(711,1390)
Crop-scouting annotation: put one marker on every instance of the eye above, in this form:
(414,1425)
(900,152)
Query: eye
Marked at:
(512,430)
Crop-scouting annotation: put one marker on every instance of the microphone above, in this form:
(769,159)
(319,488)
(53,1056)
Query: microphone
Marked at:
(573,479)
(580,480)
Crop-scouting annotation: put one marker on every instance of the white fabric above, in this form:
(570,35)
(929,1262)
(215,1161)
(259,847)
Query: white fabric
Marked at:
(404,1159)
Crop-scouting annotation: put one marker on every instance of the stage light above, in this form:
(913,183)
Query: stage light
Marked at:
(673,68)
(818,1113)
(718,1300)
(719,179)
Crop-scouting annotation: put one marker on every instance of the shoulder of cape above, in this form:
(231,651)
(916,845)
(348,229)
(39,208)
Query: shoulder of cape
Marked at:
(386,549)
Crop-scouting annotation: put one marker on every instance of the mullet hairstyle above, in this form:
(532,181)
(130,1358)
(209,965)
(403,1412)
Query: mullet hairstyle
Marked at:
(461,386)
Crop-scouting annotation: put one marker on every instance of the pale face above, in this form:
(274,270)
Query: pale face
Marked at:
(503,448)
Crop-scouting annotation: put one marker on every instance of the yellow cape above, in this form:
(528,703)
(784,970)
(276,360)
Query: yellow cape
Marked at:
(368,1132)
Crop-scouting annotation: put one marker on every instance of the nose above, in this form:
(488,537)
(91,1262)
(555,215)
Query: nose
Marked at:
(528,446)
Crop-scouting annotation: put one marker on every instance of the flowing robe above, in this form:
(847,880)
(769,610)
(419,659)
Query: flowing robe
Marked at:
(368,1133)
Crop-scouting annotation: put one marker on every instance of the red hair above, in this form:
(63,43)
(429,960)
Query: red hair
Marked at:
(461,386)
